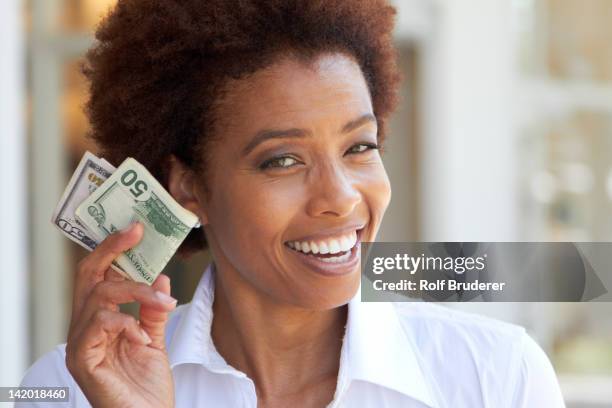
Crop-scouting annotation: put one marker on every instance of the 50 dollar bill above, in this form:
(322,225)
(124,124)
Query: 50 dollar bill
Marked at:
(145,262)
(131,194)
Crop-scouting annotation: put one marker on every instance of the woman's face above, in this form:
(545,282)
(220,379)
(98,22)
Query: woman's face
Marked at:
(296,171)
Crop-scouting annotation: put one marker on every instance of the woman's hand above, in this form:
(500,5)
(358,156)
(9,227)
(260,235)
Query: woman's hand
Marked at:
(117,361)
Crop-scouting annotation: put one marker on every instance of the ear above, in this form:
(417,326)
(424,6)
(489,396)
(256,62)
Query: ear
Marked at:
(183,186)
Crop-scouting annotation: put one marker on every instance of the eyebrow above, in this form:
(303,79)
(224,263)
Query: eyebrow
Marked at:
(264,135)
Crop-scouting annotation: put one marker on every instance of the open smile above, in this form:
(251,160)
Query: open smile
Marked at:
(334,256)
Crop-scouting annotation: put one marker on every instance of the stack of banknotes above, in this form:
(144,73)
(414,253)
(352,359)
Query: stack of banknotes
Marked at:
(101,199)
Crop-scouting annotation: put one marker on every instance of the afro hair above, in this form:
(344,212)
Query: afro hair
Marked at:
(158,67)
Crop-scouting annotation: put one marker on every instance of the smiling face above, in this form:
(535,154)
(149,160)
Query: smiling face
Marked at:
(296,171)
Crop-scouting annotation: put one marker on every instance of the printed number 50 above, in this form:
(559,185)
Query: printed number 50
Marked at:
(130,178)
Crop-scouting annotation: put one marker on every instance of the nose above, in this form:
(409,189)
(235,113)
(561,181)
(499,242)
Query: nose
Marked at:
(333,193)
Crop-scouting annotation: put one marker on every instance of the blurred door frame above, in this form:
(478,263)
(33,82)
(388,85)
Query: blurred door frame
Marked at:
(49,48)
(13,215)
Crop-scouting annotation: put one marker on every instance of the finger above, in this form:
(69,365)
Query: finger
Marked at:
(104,327)
(86,351)
(154,320)
(113,276)
(93,267)
(108,295)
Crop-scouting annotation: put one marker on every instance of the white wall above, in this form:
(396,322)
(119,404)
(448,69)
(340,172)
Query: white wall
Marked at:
(469,157)
(13,204)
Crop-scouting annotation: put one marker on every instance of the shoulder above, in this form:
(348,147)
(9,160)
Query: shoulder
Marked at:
(537,384)
(459,326)
(481,358)
(467,341)
(50,371)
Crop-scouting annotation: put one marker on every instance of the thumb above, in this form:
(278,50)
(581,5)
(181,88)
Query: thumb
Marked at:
(153,321)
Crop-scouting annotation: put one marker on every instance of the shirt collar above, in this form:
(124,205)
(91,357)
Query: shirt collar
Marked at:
(375,347)
(191,341)
(378,351)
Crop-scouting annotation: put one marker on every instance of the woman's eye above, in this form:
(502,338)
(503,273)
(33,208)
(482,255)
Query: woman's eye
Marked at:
(362,147)
(279,162)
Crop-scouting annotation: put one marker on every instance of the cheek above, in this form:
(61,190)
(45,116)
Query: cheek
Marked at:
(376,189)
(260,211)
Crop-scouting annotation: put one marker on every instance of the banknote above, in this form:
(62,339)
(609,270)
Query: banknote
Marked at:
(131,194)
(88,176)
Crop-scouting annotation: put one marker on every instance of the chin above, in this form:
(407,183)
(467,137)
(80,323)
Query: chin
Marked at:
(330,294)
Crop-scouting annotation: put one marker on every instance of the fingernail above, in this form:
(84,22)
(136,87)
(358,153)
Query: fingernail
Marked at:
(145,336)
(164,298)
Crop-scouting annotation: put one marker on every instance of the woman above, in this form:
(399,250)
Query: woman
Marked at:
(265,119)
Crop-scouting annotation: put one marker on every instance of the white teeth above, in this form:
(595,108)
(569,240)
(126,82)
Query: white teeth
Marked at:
(334,246)
(331,246)
(336,259)
(345,244)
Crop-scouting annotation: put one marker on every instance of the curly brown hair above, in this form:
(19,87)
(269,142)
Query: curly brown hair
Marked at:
(159,66)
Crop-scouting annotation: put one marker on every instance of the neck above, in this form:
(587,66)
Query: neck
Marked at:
(284,349)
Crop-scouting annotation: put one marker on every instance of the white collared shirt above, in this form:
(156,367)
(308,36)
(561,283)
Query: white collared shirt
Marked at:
(412,355)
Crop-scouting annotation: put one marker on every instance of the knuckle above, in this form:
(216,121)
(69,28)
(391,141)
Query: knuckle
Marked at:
(100,290)
(141,285)
(134,289)
(157,318)
(142,288)
(129,320)
(100,317)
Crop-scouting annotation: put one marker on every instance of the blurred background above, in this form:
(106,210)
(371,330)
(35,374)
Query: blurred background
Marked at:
(504,134)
